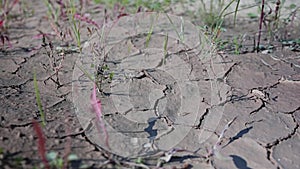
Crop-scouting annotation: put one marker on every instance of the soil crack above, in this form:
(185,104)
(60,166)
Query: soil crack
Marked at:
(26,124)
(263,105)
(290,135)
(223,79)
(201,120)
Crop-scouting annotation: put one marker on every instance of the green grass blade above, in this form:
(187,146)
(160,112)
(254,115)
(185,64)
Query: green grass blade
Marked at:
(76,32)
(165,48)
(86,73)
(178,34)
(225,9)
(150,31)
(236,10)
(38,99)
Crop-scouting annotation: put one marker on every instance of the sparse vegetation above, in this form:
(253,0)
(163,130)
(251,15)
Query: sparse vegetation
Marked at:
(67,19)
(6,7)
(274,23)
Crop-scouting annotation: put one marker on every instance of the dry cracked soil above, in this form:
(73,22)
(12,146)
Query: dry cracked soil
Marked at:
(165,101)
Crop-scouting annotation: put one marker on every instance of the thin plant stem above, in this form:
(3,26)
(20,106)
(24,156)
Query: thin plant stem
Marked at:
(41,143)
(150,31)
(165,48)
(178,34)
(260,24)
(236,10)
(38,99)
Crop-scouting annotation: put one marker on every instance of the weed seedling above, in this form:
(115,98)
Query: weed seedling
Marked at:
(151,30)
(272,21)
(55,61)
(215,14)
(58,162)
(75,25)
(38,99)
(96,104)
(236,45)
(165,48)
(52,12)
(41,143)
(5,8)
(179,34)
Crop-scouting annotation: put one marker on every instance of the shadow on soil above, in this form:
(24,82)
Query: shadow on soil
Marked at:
(239,162)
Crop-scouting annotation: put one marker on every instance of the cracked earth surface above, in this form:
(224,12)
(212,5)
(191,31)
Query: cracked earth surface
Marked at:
(261,90)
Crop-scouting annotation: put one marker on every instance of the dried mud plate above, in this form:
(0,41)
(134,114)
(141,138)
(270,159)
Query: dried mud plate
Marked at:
(156,74)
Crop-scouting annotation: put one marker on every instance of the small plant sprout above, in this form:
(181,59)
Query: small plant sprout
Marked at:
(181,29)
(273,22)
(41,143)
(111,76)
(96,105)
(252,15)
(236,45)
(215,14)
(55,161)
(103,74)
(52,11)
(75,25)
(38,98)
(151,30)
(260,24)
(179,34)
(165,48)
(5,8)
(55,61)
(221,16)
(50,159)
(99,76)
